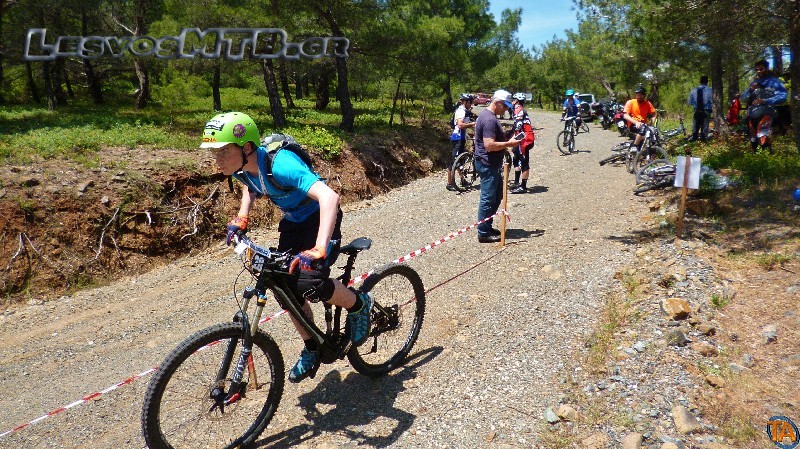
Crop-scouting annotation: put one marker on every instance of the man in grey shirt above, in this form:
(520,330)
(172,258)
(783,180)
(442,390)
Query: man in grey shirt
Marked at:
(490,143)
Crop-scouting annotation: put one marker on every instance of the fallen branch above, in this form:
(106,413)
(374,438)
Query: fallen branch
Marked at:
(19,251)
(103,233)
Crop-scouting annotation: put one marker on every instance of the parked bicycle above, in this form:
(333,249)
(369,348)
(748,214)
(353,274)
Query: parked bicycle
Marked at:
(222,385)
(656,174)
(464,172)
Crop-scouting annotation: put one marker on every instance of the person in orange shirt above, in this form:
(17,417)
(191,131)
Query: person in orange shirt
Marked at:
(637,112)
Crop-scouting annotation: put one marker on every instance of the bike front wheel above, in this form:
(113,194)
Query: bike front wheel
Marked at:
(185,403)
(565,142)
(464,173)
(396,320)
(647,155)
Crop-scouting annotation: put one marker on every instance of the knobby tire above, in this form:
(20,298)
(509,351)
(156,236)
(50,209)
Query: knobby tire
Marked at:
(464,173)
(564,141)
(178,410)
(396,320)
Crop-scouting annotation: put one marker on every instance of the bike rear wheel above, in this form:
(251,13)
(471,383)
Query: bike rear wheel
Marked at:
(613,158)
(565,142)
(396,320)
(183,403)
(657,174)
(647,155)
(464,173)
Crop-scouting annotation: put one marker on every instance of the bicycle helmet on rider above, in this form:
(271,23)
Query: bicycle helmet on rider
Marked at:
(519,96)
(467,97)
(230,127)
(569,92)
(641,90)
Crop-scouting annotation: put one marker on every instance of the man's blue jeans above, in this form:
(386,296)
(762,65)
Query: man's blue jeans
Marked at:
(491,194)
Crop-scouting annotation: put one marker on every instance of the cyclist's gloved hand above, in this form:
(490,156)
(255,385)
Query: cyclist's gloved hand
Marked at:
(239,223)
(307,258)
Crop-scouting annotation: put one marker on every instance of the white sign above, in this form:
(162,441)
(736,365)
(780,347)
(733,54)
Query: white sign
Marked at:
(694,172)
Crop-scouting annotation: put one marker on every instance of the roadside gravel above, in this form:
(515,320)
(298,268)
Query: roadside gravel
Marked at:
(502,328)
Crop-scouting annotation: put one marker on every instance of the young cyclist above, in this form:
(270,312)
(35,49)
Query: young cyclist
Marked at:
(522,153)
(571,108)
(310,226)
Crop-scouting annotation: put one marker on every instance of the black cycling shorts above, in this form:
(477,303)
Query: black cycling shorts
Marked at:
(314,285)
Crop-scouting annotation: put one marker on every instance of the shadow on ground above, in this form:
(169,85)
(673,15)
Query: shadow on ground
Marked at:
(340,406)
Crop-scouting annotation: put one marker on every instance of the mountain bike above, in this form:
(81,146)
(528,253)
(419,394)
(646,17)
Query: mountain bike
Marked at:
(656,174)
(463,168)
(222,385)
(464,172)
(565,141)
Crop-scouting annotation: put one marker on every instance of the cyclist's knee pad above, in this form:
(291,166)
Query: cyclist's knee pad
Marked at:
(316,290)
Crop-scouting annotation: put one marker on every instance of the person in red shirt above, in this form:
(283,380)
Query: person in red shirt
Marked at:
(522,153)
(637,112)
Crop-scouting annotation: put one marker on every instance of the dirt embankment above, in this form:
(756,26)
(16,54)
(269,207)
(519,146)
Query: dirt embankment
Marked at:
(64,225)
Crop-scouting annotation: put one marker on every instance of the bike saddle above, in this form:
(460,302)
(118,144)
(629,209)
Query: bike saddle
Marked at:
(359,244)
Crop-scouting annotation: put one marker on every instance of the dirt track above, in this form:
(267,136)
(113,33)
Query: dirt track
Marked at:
(490,358)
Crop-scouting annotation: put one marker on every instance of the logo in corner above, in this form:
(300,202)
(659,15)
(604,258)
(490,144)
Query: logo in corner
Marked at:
(783,432)
(238,130)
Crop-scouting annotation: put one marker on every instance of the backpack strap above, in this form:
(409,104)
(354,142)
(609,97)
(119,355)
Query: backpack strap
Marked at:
(270,159)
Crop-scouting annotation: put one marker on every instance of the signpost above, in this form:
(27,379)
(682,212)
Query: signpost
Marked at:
(687,176)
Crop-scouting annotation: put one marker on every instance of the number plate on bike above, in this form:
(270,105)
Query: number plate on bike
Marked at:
(257,262)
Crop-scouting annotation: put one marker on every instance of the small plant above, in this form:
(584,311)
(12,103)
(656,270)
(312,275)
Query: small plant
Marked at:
(719,301)
(769,261)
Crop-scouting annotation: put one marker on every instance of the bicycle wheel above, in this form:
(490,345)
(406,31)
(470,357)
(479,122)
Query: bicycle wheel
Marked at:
(564,140)
(613,158)
(647,155)
(396,320)
(183,403)
(464,173)
(584,127)
(655,175)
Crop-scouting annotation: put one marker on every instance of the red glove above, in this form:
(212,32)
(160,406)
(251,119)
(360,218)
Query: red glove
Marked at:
(239,223)
(307,258)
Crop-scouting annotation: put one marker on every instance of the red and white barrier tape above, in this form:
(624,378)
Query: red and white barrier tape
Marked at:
(354,281)
(80,401)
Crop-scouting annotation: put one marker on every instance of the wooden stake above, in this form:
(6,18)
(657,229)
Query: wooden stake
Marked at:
(682,210)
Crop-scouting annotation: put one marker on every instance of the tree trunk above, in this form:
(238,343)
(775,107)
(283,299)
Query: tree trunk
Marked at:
(394,100)
(794,69)
(732,82)
(298,85)
(217,99)
(143,94)
(48,86)
(95,90)
(323,91)
(57,70)
(342,89)
(777,59)
(31,83)
(343,95)
(275,105)
(65,76)
(716,89)
(284,78)
(447,101)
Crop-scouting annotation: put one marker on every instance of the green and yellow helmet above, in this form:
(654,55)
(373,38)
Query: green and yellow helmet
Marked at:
(230,127)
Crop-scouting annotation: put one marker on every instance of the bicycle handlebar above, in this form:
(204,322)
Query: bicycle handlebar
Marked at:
(260,256)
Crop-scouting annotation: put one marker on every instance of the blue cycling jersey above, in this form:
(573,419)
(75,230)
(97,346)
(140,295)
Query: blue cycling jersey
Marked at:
(288,170)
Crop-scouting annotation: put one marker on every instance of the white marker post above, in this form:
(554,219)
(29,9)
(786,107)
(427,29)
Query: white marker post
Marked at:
(687,176)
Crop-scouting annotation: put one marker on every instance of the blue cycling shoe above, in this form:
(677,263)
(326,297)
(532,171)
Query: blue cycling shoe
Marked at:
(359,321)
(305,367)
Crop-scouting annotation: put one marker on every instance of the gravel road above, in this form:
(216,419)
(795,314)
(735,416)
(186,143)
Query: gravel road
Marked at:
(502,327)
